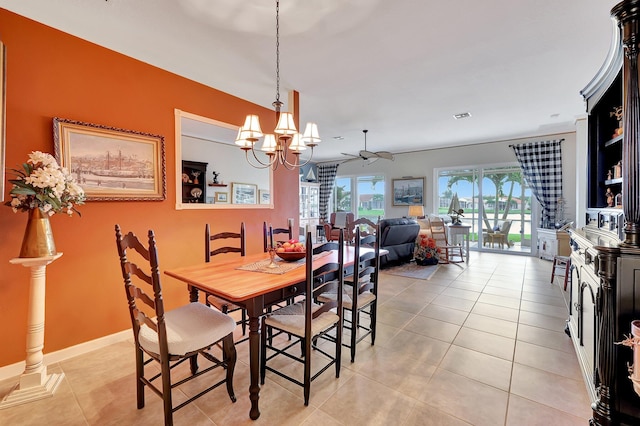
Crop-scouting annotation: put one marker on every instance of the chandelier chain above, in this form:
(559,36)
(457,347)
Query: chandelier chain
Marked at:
(277,55)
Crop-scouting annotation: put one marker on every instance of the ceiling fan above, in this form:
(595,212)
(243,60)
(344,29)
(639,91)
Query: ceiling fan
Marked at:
(369,156)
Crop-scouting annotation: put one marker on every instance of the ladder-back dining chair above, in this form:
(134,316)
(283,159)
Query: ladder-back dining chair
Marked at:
(306,321)
(365,225)
(360,295)
(217,244)
(169,337)
(269,233)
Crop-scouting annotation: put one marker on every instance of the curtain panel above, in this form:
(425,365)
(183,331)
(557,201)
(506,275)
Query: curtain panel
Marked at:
(541,164)
(327,179)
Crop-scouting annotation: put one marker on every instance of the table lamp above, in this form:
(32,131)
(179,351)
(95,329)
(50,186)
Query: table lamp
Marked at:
(416,211)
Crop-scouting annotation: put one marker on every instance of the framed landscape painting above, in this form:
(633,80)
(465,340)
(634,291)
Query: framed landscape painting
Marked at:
(408,191)
(265,196)
(111,163)
(244,193)
(221,197)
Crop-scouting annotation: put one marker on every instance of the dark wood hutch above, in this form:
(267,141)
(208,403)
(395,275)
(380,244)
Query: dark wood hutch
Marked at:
(605,286)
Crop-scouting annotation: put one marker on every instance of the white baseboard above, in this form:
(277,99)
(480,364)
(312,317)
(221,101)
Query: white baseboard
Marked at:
(17,369)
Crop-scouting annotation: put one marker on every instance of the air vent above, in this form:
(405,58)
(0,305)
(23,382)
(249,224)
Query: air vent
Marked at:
(462,115)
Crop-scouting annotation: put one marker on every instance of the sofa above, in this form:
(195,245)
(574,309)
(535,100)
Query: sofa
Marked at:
(398,237)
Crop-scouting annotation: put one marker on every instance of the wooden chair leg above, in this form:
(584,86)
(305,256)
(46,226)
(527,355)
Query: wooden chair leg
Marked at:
(193,362)
(166,392)
(263,352)
(373,309)
(244,322)
(307,370)
(230,355)
(355,321)
(139,376)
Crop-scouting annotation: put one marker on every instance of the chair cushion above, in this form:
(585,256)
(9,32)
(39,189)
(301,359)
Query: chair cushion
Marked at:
(189,328)
(341,220)
(364,298)
(291,319)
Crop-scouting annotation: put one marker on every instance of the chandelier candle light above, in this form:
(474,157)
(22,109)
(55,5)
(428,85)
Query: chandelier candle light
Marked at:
(285,138)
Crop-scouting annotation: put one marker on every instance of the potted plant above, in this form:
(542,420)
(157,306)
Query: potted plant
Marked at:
(426,252)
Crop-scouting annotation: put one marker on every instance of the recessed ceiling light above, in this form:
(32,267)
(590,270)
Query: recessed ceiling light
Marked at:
(462,115)
(338,138)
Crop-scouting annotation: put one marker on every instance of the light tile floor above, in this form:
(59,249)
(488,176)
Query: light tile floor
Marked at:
(476,345)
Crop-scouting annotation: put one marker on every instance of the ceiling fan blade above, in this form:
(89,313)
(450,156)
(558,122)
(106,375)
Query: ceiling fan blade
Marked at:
(355,158)
(350,155)
(385,154)
(367,154)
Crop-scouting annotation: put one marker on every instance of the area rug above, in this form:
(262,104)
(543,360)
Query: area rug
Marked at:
(412,270)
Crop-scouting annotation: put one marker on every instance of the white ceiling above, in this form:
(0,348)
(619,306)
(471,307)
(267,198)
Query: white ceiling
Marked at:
(399,68)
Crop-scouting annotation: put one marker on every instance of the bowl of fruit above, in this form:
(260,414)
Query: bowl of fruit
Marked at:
(291,250)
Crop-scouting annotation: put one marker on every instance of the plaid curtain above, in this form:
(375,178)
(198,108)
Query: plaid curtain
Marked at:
(541,164)
(327,178)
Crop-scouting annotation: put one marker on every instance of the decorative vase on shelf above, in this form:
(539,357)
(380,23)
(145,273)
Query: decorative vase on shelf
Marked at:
(38,238)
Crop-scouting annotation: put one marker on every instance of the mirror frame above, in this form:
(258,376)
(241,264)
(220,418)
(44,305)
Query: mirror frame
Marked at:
(179,115)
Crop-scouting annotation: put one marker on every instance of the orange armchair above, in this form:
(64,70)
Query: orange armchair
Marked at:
(337,221)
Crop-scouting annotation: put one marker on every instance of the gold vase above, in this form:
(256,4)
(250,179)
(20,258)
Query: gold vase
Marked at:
(38,238)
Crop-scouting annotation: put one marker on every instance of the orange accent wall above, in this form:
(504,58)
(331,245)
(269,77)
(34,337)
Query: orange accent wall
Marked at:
(53,74)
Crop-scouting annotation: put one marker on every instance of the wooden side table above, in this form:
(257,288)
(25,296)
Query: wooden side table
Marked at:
(34,382)
(454,231)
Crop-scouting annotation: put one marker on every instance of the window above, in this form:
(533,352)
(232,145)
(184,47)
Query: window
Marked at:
(363,195)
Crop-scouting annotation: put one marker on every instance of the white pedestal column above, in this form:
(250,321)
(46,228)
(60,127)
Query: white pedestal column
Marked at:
(34,383)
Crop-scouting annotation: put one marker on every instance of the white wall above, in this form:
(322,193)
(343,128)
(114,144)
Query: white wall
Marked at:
(424,163)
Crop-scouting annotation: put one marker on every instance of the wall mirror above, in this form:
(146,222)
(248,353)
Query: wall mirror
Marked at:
(212,172)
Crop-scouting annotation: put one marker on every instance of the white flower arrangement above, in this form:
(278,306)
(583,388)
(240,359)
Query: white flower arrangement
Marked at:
(45,185)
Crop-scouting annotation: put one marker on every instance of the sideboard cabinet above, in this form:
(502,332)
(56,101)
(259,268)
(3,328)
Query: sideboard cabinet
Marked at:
(605,286)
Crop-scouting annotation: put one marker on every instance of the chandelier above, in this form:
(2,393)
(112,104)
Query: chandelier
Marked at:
(285,138)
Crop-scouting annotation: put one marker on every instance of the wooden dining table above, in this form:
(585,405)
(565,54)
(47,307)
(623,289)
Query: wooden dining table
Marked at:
(253,290)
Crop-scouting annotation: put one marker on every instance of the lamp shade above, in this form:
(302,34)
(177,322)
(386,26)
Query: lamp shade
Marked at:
(416,211)
(297,144)
(311,137)
(251,128)
(286,125)
(269,144)
(241,142)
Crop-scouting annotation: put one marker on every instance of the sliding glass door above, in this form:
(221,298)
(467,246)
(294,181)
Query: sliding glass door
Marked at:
(496,202)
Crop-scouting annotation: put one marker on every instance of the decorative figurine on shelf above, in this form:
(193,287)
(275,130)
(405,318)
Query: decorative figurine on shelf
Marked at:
(617,170)
(610,197)
(215,176)
(618,202)
(609,175)
(185,178)
(617,112)
(195,175)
